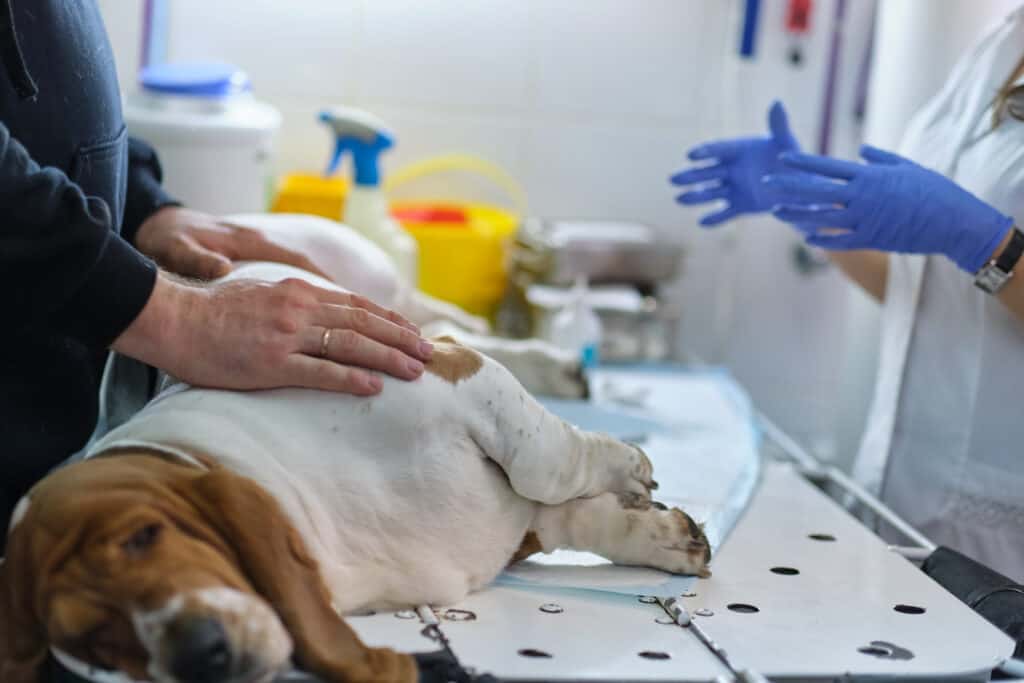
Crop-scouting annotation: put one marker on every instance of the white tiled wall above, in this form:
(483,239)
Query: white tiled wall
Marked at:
(591,104)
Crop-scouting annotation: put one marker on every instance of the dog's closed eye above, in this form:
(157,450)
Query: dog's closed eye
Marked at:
(142,539)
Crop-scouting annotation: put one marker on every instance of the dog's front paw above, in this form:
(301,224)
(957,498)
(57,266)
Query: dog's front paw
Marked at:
(632,478)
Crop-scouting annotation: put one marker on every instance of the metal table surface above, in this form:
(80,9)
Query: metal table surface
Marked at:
(853,611)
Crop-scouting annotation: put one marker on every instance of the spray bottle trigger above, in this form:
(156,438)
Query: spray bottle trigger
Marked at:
(339,151)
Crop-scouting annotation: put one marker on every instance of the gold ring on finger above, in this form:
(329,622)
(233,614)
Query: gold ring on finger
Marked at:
(325,342)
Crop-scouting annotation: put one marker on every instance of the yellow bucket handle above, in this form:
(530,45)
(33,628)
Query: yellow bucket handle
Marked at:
(462,162)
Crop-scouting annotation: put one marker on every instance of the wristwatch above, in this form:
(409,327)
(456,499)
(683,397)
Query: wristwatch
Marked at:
(994,275)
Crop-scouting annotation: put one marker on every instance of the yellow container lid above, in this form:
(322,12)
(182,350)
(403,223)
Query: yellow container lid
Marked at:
(311,193)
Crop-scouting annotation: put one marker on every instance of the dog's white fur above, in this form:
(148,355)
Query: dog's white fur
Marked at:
(355,263)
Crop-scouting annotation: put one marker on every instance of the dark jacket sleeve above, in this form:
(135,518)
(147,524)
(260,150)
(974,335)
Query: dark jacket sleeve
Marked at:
(62,266)
(145,194)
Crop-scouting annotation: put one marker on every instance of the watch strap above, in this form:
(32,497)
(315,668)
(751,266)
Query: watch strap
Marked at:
(1007,261)
(994,275)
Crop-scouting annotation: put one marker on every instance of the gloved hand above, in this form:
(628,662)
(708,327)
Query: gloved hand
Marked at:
(889,204)
(736,174)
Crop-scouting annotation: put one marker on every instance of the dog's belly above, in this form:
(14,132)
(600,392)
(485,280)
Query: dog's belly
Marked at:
(431,541)
(395,501)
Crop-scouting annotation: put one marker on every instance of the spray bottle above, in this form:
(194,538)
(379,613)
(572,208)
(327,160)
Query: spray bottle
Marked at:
(366,207)
(576,328)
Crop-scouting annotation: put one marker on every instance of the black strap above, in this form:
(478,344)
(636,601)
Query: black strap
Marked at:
(10,53)
(1007,261)
(998,599)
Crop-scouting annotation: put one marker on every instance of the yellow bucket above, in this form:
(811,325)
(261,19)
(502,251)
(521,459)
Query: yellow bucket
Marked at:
(463,245)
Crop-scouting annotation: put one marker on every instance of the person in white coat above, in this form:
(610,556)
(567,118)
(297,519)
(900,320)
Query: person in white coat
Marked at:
(936,241)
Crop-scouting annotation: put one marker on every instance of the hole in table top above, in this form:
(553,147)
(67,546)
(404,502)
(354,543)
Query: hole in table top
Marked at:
(743,608)
(459,615)
(785,571)
(821,537)
(648,654)
(535,654)
(883,649)
(909,609)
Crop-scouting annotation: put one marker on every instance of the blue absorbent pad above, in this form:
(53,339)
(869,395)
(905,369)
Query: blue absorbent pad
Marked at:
(700,432)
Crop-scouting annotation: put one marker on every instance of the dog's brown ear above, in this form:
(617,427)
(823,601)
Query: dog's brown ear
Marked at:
(276,561)
(22,637)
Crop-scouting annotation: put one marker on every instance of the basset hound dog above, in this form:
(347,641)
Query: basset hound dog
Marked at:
(219,537)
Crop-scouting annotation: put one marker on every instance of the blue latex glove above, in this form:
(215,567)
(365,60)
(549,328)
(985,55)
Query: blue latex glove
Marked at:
(889,204)
(739,165)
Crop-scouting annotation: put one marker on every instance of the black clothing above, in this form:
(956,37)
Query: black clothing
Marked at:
(70,181)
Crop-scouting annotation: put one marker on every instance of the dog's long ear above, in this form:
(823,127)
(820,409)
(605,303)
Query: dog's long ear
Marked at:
(276,561)
(22,637)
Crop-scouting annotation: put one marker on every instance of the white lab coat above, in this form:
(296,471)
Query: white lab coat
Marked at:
(944,445)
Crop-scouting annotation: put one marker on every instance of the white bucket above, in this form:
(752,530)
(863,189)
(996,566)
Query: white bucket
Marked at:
(215,151)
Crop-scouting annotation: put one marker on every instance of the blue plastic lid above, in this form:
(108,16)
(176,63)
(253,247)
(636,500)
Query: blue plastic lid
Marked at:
(197,79)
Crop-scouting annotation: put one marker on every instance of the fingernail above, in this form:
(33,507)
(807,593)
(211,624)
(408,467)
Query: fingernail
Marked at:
(426,349)
(415,367)
(375,384)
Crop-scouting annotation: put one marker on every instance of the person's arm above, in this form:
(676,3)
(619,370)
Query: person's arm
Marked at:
(248,334)
(890,204)
(868,269)
(64,269)
(62,266)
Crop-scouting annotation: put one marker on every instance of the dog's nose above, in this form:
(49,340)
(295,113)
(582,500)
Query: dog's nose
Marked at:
(202,653)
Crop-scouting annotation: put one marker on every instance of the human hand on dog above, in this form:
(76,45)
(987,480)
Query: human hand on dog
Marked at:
(198,245)
(247,334)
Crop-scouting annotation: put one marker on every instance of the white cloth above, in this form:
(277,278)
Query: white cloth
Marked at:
(944,444)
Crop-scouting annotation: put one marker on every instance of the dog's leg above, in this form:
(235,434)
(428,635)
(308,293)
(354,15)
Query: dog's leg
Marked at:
(617,528)
(545,458)
(541,367)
